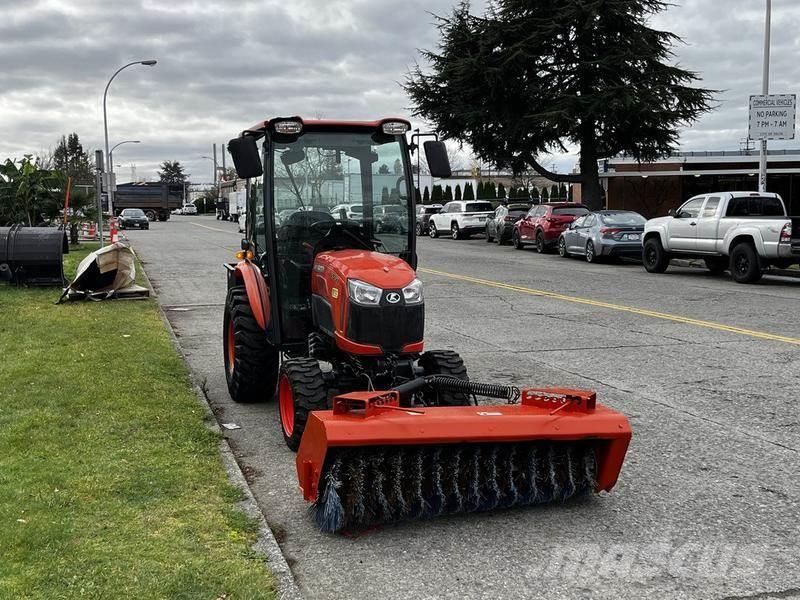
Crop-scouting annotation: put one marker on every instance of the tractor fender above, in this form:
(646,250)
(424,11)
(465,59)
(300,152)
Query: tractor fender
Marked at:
(255,286)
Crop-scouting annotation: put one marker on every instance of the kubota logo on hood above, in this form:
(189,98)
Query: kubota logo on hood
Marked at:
(393,297)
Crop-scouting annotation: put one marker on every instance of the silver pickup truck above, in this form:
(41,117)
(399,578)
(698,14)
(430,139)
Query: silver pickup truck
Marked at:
(744,232)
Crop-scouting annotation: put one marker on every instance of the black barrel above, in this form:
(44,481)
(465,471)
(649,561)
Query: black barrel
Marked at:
(33,255)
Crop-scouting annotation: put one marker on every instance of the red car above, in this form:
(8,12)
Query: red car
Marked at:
(544,223)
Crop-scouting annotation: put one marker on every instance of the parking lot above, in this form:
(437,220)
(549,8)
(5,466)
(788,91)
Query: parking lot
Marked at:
(707,370)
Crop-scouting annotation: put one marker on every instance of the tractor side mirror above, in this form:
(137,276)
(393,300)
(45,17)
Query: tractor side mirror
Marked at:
(246,157)
(436,155)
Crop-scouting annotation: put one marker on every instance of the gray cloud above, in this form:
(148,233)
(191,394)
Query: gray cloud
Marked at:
(225,65)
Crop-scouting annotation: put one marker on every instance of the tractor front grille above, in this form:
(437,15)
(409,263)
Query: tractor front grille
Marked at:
(387,326)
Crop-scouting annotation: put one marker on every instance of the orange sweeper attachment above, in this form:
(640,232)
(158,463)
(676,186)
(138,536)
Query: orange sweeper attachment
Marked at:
(370,460)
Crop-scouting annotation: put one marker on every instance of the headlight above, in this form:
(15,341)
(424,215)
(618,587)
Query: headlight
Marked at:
(413,292)
(364,293)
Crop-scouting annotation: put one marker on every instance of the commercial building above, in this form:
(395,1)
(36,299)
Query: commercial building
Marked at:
(653,188)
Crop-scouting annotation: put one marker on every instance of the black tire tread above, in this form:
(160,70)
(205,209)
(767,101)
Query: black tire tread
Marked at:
(309,391)
(255,371)
(445,362)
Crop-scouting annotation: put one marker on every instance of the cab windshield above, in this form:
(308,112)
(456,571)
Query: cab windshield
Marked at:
(352,179)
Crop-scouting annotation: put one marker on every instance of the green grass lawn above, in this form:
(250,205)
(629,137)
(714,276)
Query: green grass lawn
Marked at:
(111,486)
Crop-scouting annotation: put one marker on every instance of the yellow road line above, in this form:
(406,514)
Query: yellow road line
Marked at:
(236,233)
(608,305)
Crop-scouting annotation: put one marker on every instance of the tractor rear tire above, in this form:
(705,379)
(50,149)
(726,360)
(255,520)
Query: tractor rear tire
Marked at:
(301,389)
(251,363)
(444,362)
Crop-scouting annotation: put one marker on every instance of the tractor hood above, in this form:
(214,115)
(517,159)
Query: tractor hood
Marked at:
(381,270)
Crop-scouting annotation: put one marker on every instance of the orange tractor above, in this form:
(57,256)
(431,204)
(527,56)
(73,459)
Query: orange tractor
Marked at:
(325,311)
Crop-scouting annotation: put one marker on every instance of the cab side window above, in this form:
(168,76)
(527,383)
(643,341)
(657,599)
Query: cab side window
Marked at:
(691,210)
(711,206)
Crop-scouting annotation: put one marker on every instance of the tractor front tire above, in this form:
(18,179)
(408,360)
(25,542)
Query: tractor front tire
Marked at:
(251,363)
(449,363)
(301,389)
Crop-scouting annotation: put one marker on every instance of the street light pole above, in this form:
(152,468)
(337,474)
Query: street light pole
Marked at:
(762,159)
(111,152)
(109,167)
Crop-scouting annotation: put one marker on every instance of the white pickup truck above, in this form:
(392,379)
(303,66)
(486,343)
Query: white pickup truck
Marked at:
(744,232)
(461,218)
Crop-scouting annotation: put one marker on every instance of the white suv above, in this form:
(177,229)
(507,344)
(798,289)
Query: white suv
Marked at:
(348,211)
(461,218)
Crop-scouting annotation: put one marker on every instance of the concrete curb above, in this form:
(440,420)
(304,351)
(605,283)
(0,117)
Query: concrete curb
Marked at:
(699,264)
(265,542)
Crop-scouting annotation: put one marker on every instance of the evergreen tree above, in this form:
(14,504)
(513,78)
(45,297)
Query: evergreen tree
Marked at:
(469,193)
(172,173)
(569,194)
(592,74)
(417,196)
(426,196)
(479,190)
(535,195)
(545,196)
(554,193)
(448,193)
(385,195)
(501,191)
(436,195)
(70,158)
(489,190)
(457,195)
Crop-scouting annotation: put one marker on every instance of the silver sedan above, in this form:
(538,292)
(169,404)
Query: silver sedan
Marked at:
(605,233)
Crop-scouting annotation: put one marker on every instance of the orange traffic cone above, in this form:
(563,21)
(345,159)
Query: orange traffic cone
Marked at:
(114,234)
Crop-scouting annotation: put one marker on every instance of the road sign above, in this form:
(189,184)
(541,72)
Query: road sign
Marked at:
(109,182)
(772,117)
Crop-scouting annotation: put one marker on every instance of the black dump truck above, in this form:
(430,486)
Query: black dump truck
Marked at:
(157,200)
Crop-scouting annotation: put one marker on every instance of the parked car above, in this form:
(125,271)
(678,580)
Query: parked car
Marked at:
(461,218)
(424,212)
(544,223)
(745,232)
(605,233)
(500,227)
(348,211)
(189,209)
(390,218)
(133,217)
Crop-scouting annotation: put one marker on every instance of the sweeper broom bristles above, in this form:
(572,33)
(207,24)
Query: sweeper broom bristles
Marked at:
(371,461)
(367,486)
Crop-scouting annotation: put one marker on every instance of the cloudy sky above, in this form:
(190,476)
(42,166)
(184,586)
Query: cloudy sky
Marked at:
(225,65)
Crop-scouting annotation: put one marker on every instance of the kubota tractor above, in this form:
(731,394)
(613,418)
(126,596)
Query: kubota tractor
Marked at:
(324,311)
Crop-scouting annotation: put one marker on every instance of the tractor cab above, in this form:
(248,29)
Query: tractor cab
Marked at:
(327,185)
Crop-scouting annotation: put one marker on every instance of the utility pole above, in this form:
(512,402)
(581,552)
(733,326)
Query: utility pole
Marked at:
(98,190)
(762,162)
(216,176)
(419,151)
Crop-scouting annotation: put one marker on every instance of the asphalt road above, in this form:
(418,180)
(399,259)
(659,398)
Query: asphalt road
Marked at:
(707,370)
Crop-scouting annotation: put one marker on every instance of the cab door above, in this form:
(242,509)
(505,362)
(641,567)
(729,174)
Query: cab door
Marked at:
(707,224)
(683,226)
